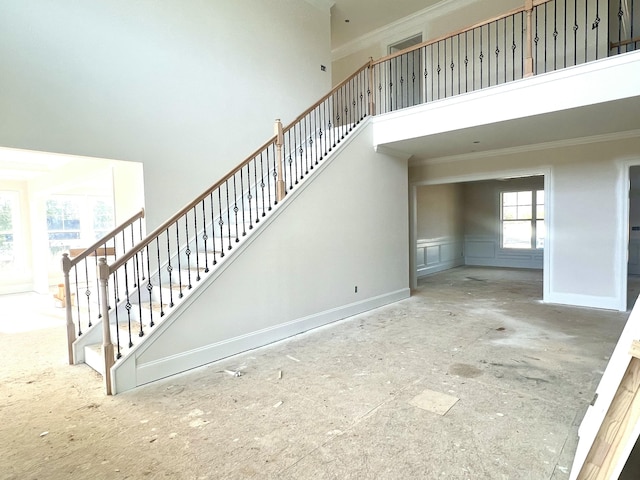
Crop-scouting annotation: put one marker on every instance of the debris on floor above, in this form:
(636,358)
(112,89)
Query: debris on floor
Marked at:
(435,402)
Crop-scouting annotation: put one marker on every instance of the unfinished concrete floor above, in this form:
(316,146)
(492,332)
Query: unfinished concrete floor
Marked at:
(350,403)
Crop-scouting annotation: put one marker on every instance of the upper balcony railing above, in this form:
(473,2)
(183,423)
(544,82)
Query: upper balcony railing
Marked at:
(540,36)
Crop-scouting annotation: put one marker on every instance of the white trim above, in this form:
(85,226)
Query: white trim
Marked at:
(623,246)
(493,175)
(591,301)
(151,371)
(386,33)
(569,142)
(322,5)
(413,240)
(392,152)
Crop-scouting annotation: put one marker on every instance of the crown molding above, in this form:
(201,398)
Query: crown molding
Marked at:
(416,21)
(322,5)
(392,152)
(570,142)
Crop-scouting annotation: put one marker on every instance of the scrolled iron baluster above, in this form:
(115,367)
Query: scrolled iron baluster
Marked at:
(213,227)
(75,277)
(115,297)
(128,305)
(137,273)
(187,250)
(159,276)
(205,237)
(195,238)
(169,269)
(150,286)
(180,294)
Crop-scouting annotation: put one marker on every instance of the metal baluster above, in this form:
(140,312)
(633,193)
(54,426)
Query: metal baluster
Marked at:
(137,273)
(169,269)
(195,239)
(98,280)
(555,35)
(438,70)
(319,142)
(115,297)
(150,286)
(75,278)
(466,61)
(205,236)
(87,291)
(159,275)
(187,250)
(180,295)
(586,32)
(513,48)
(481,58)
(255,183)
(262,184)
(452,66)
(213,224)
(128,304)
(596,26)
(473,66)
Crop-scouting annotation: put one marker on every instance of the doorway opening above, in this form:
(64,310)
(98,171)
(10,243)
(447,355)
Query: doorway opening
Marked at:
(484,223)
(51,203)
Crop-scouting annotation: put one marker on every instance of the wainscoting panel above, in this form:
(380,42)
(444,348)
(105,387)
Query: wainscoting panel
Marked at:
(438,254)
(485,251)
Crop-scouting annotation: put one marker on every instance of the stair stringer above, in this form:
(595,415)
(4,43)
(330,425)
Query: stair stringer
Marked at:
(266,291)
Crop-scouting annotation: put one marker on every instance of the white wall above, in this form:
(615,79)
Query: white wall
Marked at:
(348,227)
(439,228)
(482,236)
(585,213)
(189,88)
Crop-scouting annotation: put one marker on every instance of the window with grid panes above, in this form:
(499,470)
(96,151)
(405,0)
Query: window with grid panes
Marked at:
(522,219)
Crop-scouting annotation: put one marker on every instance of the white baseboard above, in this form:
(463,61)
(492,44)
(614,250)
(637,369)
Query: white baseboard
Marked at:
(138,374)
(606,303)
(441,267)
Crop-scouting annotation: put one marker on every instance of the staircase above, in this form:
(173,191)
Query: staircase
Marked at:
(152,281)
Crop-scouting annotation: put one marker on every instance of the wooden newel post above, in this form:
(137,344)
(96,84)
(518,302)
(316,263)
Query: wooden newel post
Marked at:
(107,346)
(528,59)
(71,328)
(280,185)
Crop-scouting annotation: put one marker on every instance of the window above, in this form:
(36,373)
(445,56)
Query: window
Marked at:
(522,219)
(8,225)
(76,222)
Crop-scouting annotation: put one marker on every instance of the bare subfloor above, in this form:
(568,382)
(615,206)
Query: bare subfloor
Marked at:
(353,400)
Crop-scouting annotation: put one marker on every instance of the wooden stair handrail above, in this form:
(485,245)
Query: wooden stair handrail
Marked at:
(327,96)
(99,243)
(469,28)
(180,213)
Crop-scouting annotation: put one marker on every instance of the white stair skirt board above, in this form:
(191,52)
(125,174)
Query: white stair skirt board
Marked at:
(605,392)
(127,373)
(138,374)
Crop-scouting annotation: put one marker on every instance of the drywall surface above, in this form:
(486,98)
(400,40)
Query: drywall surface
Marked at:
(482,224)
(347,228)
(189,88)
(439,211)
(585,212)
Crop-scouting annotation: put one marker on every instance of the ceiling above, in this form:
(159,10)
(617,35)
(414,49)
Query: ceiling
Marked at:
(367,15)
(608,118)
(23,165)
